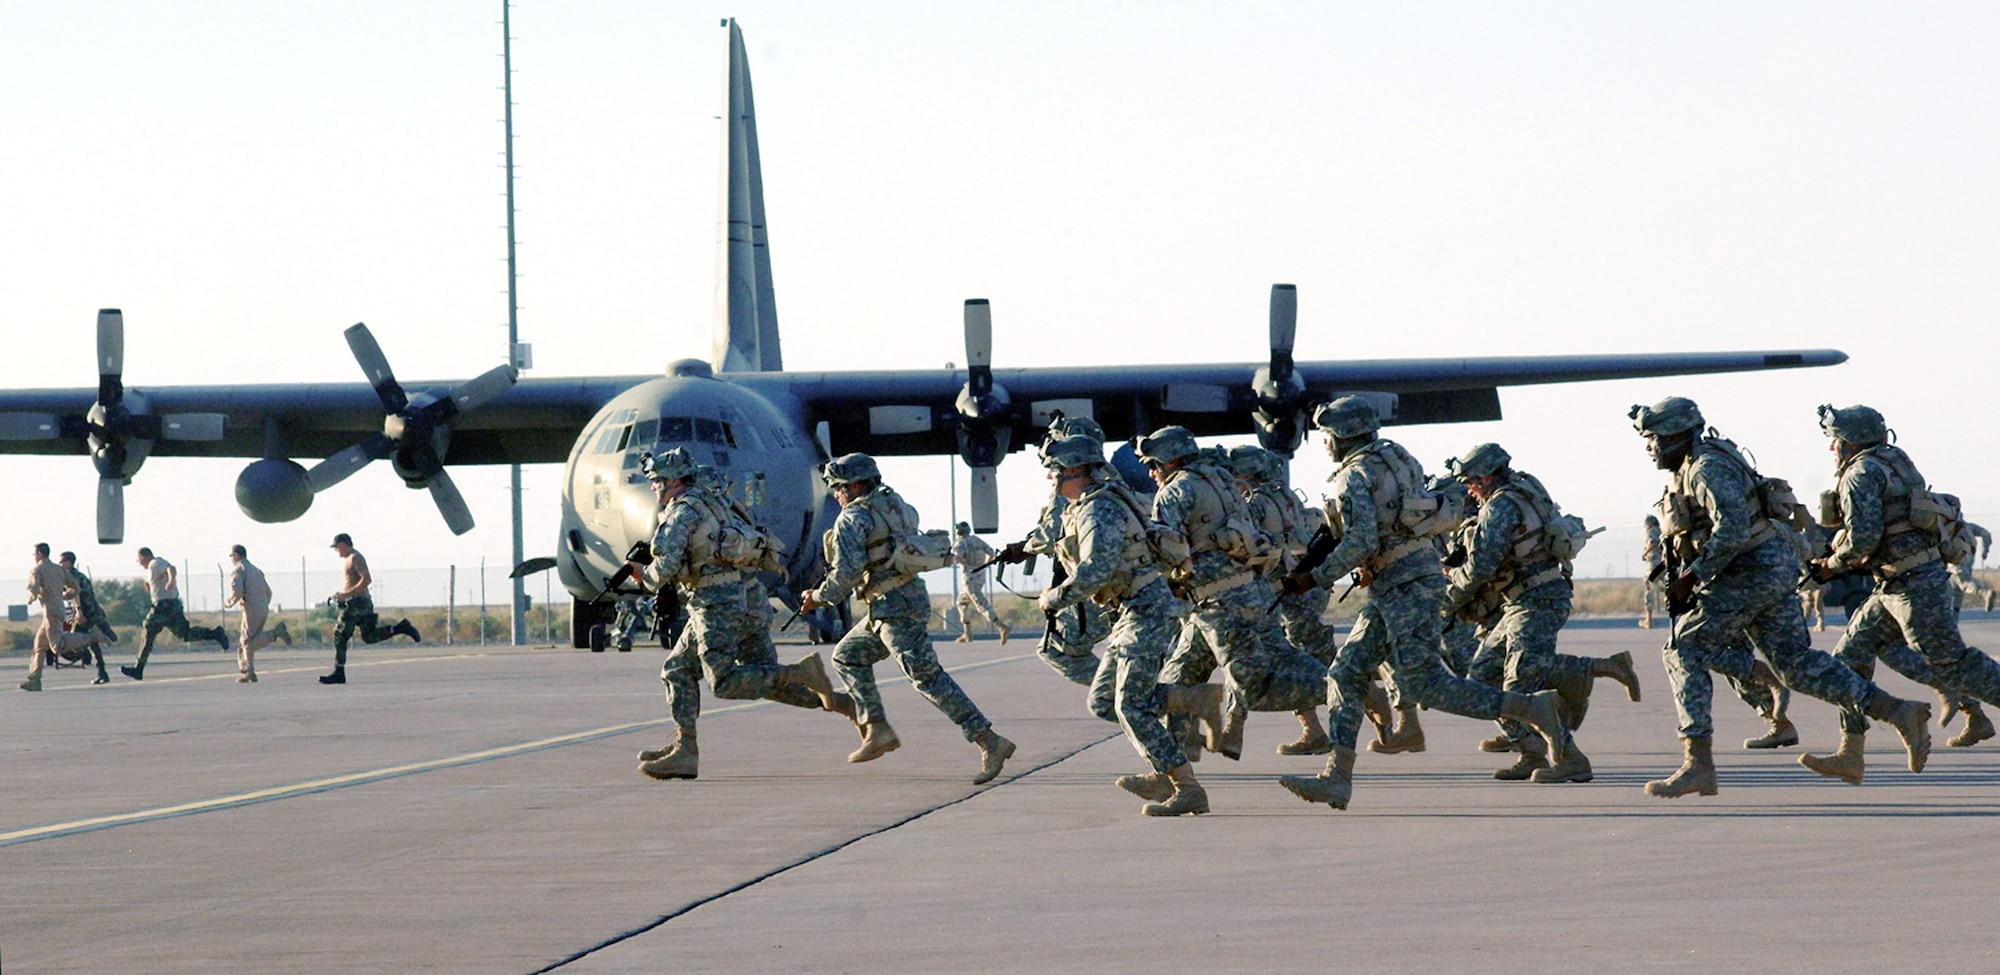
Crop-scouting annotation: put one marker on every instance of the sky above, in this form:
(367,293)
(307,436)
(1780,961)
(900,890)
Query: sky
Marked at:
(1123,181)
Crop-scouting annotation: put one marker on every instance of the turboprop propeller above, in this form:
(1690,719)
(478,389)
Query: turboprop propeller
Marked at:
(119,430)
(1281,394)
(416,430)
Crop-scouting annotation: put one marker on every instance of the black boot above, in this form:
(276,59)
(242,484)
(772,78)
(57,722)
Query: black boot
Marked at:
(339,676)
(406,628)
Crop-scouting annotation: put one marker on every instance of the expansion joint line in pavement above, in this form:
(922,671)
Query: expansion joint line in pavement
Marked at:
(51,831)
(829,851)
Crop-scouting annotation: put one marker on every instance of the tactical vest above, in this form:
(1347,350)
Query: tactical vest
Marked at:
(742,543)
(1218,520)
(1137,564)
(1538,512)
(1909,508)
(1407,515)
(892,528)
(1685,525)
(698,559)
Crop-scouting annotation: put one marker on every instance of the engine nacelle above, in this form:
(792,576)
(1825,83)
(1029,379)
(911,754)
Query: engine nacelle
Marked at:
(273,490)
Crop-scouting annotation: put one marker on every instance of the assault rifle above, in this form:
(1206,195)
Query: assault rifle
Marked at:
(1664,576)
(641,552)
(1318,548)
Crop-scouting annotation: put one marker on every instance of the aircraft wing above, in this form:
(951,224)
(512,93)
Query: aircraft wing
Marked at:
(536,421)
(919,411)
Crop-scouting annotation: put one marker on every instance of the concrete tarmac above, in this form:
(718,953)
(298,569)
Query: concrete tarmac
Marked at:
(468,811)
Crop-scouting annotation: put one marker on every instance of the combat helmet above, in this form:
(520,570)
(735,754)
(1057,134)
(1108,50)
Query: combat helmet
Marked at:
(1073,426)
(1076,451)
(1167,445)
(1254,463)
(849,468)
(963,528)
(1859,425)
(1487,458)
(1675,414)
(672,465)
(1348,417)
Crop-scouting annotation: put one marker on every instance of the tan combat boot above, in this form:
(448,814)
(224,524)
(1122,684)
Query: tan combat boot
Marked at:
(1782,734)
(1913,721)
(1155,786)
(1004,633)
(1696,774)
(680,762)
(1540,711)
(33,683)
(1845,764)
(1407,735)
(877,740)
(964,637)
(1573,695)
(1618,667)
(1534,758)
(1978,727)
(810,673)
(1376,707)
(1334,786)
(993,753)
(1229,744)
(1574,767)
(1204,701)
(653,754)
(1312,738)
(1188,797)
(1781,696)
(1497,743)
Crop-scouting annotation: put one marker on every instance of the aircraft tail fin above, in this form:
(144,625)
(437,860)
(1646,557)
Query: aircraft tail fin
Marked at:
(746,307)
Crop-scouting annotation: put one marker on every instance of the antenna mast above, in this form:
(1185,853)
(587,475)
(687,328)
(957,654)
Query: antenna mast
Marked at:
(519,606)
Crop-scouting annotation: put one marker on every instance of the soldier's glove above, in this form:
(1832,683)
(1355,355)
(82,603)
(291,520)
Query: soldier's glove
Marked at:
(1363,577)
(1456,557)
(1299,583)
(1680,594)
(1822,571)
(1014,554)
(640,552)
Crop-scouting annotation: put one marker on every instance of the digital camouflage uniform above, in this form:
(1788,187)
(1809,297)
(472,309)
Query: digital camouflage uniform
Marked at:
(1399,622)
(1103,546)
(1287,526)
(1745,570)
(1231,618)
(721,638)
(1912,602)
(970,552)
(1508,564)
(897,624)
(1073,630)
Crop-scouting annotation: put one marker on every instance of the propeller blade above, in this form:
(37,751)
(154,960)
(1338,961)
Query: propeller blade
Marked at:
(532,566)
(30,426)
(985,501)
(110,357)
(978,333)
(1284,329)
(110,511)
(191,426)
(337,468)
(483,388)
(978,346)
(376,366)
(451,504)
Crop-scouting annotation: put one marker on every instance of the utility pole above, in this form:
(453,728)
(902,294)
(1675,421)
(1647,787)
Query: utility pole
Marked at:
(519,604)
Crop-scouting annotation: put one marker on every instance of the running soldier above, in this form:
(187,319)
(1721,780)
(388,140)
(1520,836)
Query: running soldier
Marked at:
(1074,630)
(699,532)
(163,585)
(1893,525)
(972,556)
(249,591)
(1654,557)
(89,616)
(45,586)
(1104,547)
(1516,570)
(1378,513)
(357,609)
(1734,570)
(865,555)
(1288,527)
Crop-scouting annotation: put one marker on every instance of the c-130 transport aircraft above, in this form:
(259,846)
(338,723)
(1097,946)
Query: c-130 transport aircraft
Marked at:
(765,428)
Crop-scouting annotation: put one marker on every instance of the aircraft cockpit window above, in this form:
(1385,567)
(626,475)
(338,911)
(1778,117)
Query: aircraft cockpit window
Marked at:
(711,432)
(676,429)
(612,440)
(744,436)
(644,434)
(632,460)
